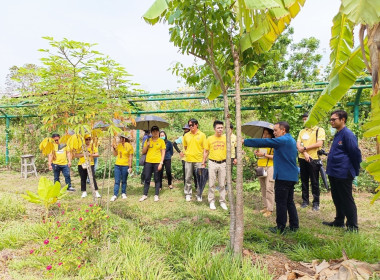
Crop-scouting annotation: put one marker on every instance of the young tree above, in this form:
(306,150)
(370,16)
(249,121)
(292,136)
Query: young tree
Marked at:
(223,34)
(22,79)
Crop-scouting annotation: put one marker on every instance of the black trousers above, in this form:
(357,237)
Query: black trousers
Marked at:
(284,197)
(149,169)
(309,171)
(341,192)
(83,177)
(183,173)
(168,167)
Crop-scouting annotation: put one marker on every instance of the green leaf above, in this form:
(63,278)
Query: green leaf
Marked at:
(213,91)
(252,68)
(373,158)
(375,197)
(155,11)
(261,4)
(362,11)
(43,187)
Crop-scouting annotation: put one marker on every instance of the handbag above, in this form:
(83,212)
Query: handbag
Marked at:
(261,172)
(85,165)
(142,160)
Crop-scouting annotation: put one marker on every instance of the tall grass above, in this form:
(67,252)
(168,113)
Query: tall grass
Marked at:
(10,207)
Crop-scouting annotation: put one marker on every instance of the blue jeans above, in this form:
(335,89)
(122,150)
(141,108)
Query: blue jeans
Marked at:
(95,167)
(65,171)
(121,174)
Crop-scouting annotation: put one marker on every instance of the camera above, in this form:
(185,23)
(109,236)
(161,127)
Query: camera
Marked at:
(322,152)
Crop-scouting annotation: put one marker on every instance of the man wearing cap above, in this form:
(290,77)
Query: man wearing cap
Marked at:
(309,141)
(123,165)
(216,151)
(193,143)
(60,160)
(179,141)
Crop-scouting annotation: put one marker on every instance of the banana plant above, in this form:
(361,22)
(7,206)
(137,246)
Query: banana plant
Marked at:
(348,64)
(48,193)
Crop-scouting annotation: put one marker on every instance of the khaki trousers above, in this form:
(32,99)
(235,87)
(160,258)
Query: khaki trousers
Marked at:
(189,170)
(216,171)
(267,189)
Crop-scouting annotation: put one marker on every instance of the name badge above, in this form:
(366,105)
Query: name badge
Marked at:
(305,136)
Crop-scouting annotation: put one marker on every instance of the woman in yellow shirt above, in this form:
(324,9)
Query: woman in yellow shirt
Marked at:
(265,160)
(92,152)
(123,165)
(154,148)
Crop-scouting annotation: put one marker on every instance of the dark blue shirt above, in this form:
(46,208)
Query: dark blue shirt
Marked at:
(344,156)
(284,158)
(169,149)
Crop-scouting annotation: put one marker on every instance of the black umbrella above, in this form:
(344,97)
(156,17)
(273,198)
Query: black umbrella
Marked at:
(146,122)
(255,129)
(201,175)
(322,171)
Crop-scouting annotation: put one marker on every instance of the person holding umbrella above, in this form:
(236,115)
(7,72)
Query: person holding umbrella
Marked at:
(193,142)
(154,148)
(123,165)
(285,174)
(265,161)
(216,151)
(309,141)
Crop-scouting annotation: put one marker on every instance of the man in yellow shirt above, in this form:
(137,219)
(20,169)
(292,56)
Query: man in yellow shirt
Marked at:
(216,151)
(60,160)
(233,145)
(309,141)
(193,143)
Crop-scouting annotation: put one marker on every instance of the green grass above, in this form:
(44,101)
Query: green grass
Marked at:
(172,239)
(11,208)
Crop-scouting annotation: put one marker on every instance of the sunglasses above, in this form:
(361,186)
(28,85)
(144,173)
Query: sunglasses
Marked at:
(56,140)
(333,119)
(88,139)
(191,125)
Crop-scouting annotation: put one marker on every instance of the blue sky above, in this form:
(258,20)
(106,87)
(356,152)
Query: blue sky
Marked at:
(118,28)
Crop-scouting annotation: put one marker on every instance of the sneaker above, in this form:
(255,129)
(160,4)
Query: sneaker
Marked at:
(199,198)
(113,198)
(223,205)
(212,206)
(143,198)
(156,198)
(267,214)
(332,224)
(170,187)
(188,197)
(304,205)
(263,210)
(71,189)
(123,196)
(84,194)
(315,207)
(97,194)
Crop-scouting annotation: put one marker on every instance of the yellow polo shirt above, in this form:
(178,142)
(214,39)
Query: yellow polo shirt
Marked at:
(217,147)
(123,153)
(262,161)
(92,149)
(60,155)
(154,152)
(233,145)
(307,137)
(194,144)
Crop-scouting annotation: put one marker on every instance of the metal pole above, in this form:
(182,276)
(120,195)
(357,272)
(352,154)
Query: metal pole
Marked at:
(137,149)
(7,125)
(357,105)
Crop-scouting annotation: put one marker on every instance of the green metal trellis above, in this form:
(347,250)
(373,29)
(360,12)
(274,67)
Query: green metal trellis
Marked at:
(247,92)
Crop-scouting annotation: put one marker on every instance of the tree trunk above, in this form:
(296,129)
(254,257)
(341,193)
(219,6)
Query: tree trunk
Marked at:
(374,53)
(239,228)
(89,171)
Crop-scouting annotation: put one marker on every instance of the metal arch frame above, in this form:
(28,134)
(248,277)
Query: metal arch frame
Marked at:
(247,92)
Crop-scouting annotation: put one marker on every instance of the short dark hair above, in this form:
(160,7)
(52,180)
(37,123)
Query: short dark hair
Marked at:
(284,125)
(231,126)
(154,128)
(216,122)
(193,121)
(341,114)
(55,135)
(305,115)
(270,131)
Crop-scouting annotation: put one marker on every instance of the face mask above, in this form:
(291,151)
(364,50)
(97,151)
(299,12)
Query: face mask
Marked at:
(162,137)
(332,130)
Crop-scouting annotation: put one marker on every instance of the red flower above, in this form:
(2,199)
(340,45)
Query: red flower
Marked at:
(63,212)
(87,210)
(48,267)
(91,205)
(81,242)
(79,266)
(31,251)
(46,241)
(59,204)
(80,219)
(73,228)
(60,263)
(56,237)
(58,225)
(55,251)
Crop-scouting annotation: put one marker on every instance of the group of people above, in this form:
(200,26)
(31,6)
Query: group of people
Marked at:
(277,155)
